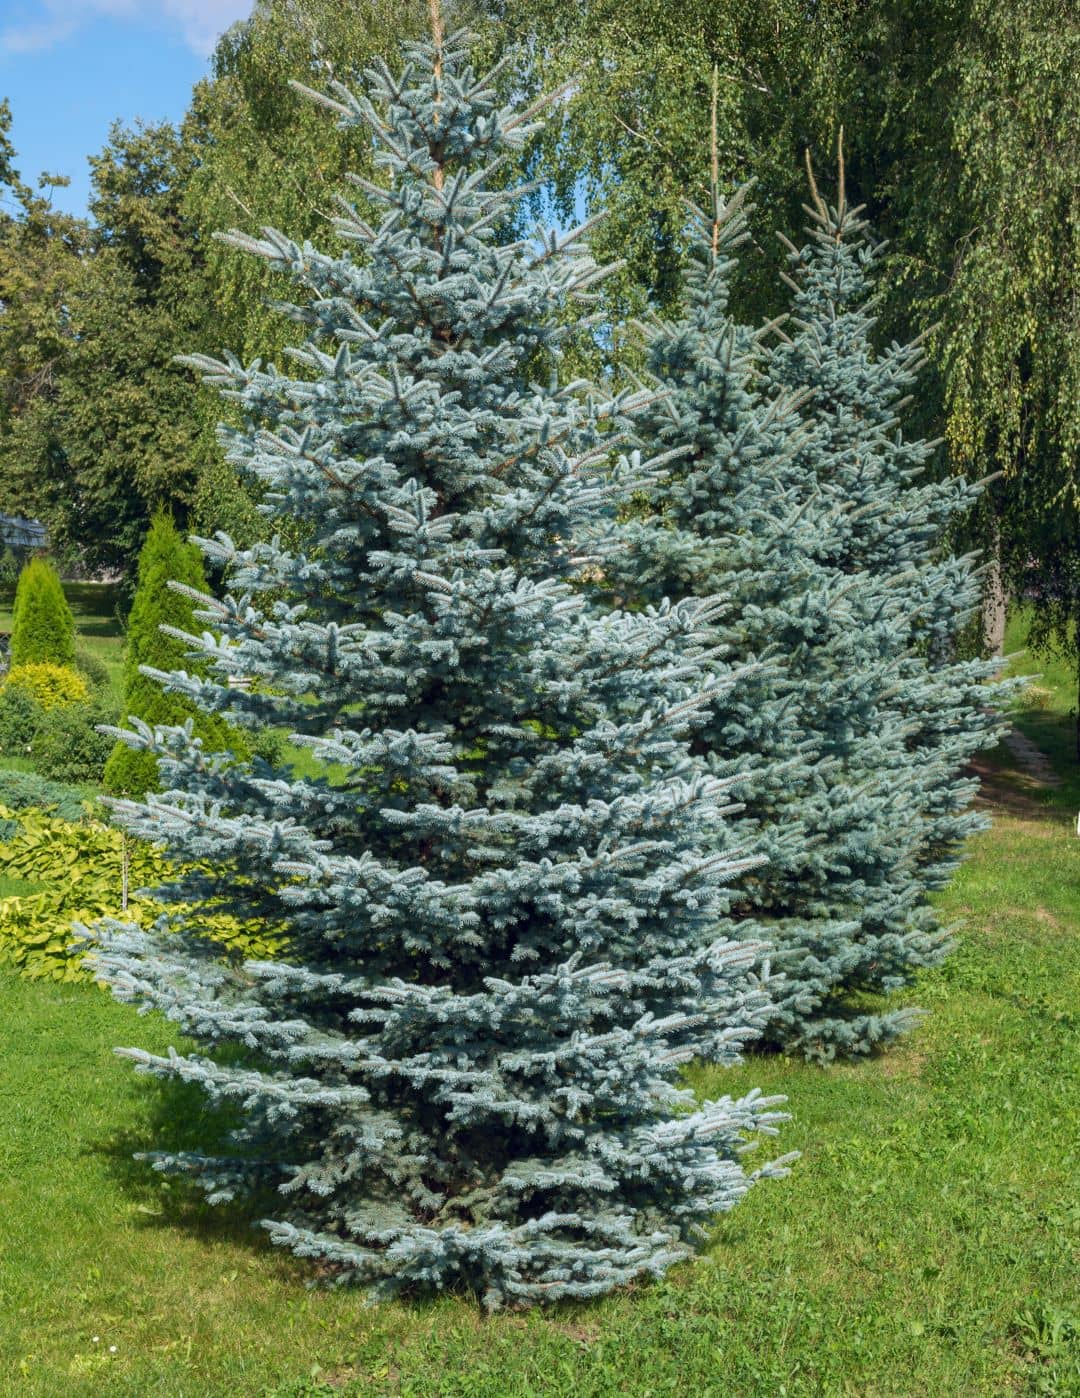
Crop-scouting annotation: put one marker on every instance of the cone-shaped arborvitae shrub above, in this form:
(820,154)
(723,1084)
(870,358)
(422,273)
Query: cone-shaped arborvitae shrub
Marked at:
(505,892)
(897,525)
(42,627)
(814,726)
(165,558)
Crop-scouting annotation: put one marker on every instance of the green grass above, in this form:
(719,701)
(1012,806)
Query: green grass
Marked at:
(928,1242)
(93,605)
(1046,711)
(16,888)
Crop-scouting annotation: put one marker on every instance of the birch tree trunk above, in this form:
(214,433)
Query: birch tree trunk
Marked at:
(993,613)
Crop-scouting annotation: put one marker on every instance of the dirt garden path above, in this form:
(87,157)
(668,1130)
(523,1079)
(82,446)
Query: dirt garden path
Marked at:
(1019,788)
(1030,760)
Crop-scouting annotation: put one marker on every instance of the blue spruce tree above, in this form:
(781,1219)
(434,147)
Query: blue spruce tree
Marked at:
(505,891)
(897,521)
(798,499)
(810,731)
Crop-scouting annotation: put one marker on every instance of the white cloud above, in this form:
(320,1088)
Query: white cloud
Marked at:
(28,38)
(200,22)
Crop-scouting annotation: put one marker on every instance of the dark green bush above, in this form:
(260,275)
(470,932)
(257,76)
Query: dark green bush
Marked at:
(93,670)
(43,629)
(20,716)
(270,744)
(9,568)
(67,746)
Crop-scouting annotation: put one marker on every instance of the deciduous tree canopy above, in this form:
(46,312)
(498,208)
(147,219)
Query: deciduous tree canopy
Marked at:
(963,133)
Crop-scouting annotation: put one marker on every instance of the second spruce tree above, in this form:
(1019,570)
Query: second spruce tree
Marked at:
(849,787)
(895,526)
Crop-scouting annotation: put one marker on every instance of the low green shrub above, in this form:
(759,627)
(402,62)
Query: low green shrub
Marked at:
(50,686)
(81,866)
(10,567)
(67,746)
(47,715)
(271,744)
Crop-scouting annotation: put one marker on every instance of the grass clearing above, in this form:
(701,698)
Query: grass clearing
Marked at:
(16,888)
(1046,711)
(928,1242)
(95,607)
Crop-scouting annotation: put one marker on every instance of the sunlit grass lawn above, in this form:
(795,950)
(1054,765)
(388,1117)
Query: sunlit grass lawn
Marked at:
(93,605)
(927,1243)
(1046,712)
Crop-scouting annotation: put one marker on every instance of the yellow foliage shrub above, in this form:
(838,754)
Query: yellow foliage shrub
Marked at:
(51,686)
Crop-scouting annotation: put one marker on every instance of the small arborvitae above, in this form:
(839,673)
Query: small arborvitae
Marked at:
(42,629)
(158,613)
(502,877)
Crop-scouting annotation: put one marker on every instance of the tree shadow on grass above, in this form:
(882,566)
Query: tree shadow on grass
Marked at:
(98,628)
(176,1117)
(95,608)
(1002,789)
(1004,786)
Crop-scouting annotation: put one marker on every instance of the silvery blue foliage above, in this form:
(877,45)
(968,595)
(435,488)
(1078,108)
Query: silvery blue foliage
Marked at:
(900,515)
(503,880)
(850,738)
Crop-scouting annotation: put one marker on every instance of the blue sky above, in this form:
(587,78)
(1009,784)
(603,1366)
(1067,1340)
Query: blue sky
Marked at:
(72,67)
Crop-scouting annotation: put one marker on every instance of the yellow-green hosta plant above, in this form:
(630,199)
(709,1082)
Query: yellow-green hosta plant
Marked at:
(81,869)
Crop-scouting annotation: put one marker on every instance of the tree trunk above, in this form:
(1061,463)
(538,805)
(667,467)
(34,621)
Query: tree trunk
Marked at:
(993,609)
(1076,647)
